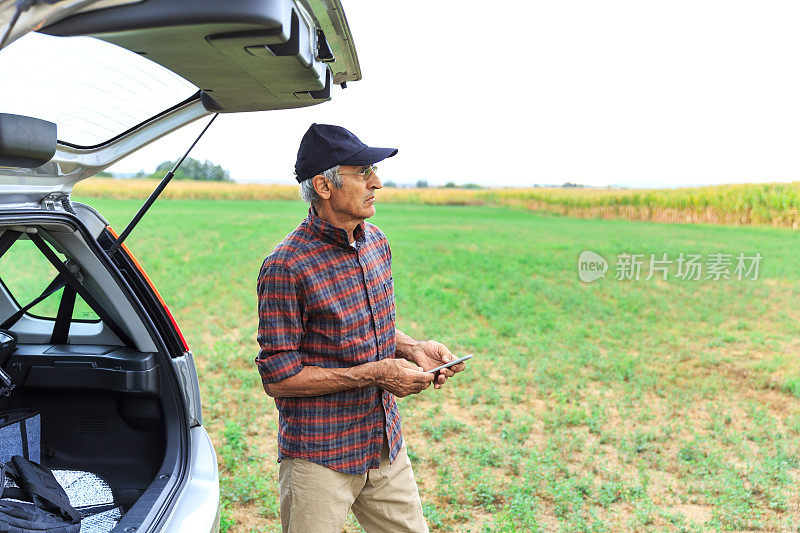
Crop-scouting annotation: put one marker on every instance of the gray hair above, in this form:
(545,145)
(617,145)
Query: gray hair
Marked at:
(307,192)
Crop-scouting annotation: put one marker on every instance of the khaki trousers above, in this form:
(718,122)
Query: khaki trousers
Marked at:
(315,499)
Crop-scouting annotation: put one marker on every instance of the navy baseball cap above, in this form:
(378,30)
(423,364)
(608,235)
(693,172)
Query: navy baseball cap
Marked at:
(324,146)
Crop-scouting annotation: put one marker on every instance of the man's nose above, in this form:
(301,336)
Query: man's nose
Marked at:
(375,181)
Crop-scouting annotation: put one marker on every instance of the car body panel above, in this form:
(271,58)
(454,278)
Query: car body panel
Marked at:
(187,374)
(196,509)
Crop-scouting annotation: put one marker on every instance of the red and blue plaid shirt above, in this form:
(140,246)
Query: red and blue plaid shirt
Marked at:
(326,303)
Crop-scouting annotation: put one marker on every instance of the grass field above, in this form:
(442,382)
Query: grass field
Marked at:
(608,406)
(772,204)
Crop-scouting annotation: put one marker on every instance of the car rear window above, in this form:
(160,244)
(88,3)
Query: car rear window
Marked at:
(25,273)
(91,89)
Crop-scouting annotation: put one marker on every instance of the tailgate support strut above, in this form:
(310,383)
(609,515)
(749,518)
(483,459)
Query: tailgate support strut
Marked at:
(154,195)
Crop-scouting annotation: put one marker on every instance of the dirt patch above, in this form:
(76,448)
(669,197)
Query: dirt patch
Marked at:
(699,514)
(247,518)
(760,387)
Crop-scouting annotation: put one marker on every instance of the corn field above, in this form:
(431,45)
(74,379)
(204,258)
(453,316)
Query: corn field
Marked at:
(773,204)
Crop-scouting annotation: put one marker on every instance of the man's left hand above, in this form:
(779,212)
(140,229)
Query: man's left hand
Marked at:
(430,354)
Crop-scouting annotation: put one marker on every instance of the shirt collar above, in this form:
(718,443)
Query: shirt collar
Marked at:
(331,233)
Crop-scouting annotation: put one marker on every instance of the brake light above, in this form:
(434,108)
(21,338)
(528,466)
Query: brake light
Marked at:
(152,287)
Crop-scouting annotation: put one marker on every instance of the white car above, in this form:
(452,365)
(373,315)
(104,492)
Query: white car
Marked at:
(84,83)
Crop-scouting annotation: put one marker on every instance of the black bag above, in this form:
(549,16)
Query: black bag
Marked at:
(48,510)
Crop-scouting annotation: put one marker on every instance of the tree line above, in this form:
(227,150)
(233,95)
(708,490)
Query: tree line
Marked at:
(192,169)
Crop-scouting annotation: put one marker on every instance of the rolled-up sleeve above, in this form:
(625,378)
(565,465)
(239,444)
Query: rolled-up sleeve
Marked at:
(280,323)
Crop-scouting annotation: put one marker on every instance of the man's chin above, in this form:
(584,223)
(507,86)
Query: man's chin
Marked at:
(369,209)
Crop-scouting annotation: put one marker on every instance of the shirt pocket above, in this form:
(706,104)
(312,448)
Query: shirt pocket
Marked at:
(387,311)
(388,287)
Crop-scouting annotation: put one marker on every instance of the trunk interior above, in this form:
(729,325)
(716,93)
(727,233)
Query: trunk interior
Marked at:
(100,411)
(108,406)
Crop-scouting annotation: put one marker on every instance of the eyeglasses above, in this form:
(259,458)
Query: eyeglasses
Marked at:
(364,172)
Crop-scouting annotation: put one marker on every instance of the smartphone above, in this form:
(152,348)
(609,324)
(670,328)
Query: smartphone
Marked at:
(451,363)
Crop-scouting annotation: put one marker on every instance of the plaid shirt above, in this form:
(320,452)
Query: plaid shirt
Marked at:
(325,303)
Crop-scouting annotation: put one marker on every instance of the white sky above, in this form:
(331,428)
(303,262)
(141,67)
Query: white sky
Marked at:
(633,93)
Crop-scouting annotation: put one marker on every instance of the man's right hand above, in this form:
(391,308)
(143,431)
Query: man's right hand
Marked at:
(402,377)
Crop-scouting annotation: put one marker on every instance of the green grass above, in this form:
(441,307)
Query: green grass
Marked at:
(594,407)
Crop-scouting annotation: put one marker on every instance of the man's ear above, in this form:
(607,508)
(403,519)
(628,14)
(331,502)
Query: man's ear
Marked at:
(322,186)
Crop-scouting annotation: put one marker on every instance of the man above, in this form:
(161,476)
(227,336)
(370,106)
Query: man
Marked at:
(331,355)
